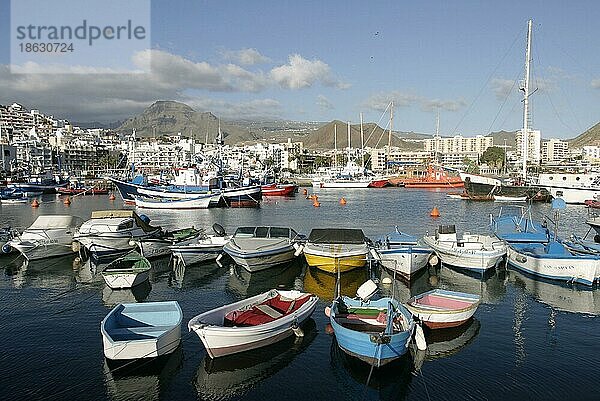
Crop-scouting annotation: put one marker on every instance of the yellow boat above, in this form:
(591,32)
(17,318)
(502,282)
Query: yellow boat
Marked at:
(333,249)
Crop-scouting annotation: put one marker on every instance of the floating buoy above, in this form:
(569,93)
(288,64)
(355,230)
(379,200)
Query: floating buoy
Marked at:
(35,203)
(420,338)
(316,203)
(67,201)
(386,281)
(343,201)
(434,260)
(435,212)
(305,191)
(112,197)
(327,311)
(329,329)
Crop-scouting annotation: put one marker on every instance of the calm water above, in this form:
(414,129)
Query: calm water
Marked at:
(530,339)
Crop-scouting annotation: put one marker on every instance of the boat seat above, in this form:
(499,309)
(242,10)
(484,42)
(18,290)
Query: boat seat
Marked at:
(137,333)
(268,311)
(441,303)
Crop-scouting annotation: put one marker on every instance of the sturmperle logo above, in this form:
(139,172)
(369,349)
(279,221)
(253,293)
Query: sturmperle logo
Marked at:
(84,36)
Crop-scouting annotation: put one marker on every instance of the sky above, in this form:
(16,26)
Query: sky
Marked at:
(325,60)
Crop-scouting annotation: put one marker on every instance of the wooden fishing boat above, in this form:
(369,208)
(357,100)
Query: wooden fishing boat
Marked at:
(141,330)
(401,252)
(279,189)
(127,271)
(374,331)
(198,202)
(434,178)
(253,322)
(333,249)
(439,309)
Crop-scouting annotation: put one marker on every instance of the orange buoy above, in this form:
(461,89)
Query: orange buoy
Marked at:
(67,201)
(305,191)
(316,203)
(435,212)
(112,197)
(35,203)
(343,201)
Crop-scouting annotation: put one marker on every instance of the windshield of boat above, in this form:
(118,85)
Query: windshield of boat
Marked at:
(265,232)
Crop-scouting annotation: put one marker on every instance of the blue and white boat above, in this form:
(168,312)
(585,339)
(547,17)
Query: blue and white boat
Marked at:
(534,249)
(259,248)
(401,252)
(141,330)
(374,331)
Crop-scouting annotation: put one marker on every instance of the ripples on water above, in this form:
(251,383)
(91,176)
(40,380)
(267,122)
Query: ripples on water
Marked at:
(529,340)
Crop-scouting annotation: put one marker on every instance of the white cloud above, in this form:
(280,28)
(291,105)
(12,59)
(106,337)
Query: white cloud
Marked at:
(502,87)
(245,56)
(301,73)
(257,108)
(448,105)
(324,104)
(380,101)
(595,83)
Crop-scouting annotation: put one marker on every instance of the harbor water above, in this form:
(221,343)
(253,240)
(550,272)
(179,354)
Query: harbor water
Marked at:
(530,339)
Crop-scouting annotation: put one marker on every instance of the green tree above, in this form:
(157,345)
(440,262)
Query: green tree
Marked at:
(493,157)
(471,166)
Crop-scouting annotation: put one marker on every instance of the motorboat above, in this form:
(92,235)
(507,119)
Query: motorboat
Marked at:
(261,247)
(279,189)
(127,271)
(203,248)
(374,331)
(473,252)
(439,309)
(141,330)
(197,202)
(401,252)
(114,232)
(500,198)
(48,236)
(155,247)
(336,249)
(253,322)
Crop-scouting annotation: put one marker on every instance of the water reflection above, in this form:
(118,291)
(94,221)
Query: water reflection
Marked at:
(356,380)
(446,342)
(401,289)
(44,273)
(558,296)
(138,293)
(235,375)
(491,287)
(245,284)
(323,284)
(193,276)
(142,379)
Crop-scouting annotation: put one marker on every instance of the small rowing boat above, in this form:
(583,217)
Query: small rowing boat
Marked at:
(127,271)
(441,308)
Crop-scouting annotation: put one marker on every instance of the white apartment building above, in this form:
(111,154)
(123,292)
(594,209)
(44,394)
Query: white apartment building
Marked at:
(554,150)
(458,144)
(534,146)
(156,156)
(591,153)
(379,157)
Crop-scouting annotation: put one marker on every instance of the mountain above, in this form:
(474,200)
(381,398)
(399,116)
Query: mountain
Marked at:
(591,137)
(374,136)
(166,117)
(501,136)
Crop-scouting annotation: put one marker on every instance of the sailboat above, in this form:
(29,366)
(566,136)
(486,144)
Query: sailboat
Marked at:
(480,187)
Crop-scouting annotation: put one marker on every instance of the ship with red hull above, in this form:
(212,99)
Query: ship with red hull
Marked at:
(435,178)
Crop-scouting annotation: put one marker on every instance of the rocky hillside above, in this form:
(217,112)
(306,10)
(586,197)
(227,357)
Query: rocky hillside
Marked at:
(591,137)
(501,136)
(169,117)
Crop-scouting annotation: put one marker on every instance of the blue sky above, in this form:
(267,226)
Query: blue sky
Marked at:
(320,60)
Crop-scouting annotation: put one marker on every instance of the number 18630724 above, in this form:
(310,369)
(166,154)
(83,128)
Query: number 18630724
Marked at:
(50,47)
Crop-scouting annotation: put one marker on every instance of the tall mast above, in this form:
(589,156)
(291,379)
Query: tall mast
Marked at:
(348,143)
(362,144)
(387,161)
(335,147)
(437,135)
(525,89)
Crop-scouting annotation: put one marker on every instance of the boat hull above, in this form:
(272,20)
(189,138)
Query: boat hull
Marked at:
(124,280)
(220,341)
(407,260)
(582,270)
(261,261)
(341,184)
(198,202)
(333,263)
(202,250)
(452,309)
(477,260)
(37,250)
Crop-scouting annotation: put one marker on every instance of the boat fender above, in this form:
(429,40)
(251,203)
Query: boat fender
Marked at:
(597,238)
(375,255)
(75,246)
(420,338)
(327,311)
(298,250)
(386,281)
(6,248)
(297,330)
(218,260)
(434,260)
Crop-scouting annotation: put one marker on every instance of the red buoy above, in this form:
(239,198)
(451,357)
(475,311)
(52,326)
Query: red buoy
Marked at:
(35,203)
(435,212)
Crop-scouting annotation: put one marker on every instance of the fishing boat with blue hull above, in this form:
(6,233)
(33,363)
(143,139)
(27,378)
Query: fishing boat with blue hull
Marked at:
(402,253)
(141,330)
(259,248)
(375,331)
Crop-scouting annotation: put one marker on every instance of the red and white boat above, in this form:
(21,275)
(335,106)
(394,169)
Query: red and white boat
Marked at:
(279,189)
(253,322)
(439,309)
(379,183)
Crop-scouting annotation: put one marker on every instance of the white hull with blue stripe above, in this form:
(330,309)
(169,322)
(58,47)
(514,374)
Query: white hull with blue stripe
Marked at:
(554,261)
(406,260)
